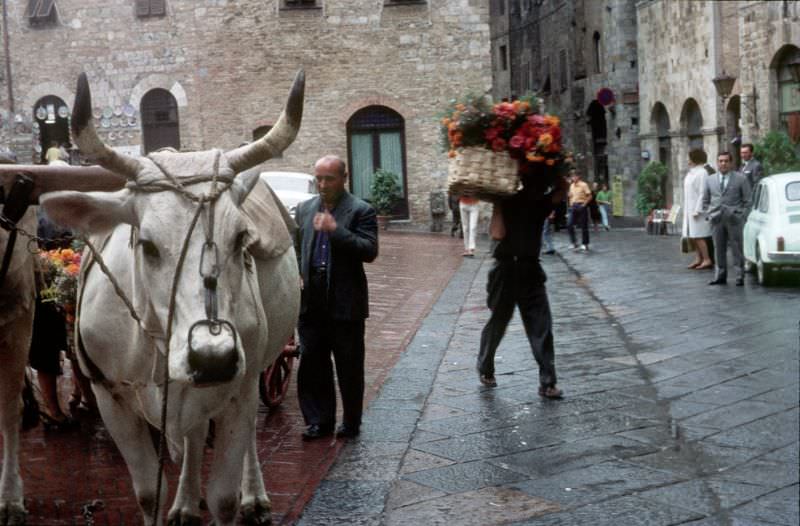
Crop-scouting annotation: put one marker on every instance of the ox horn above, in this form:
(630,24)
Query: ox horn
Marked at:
(86,138)
(279,137)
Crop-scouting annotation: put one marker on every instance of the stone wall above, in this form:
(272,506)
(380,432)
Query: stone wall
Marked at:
(230,64)
(683,45)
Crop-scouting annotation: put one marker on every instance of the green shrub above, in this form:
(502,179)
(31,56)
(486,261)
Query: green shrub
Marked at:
(777,153)
(384,190)
(650,187)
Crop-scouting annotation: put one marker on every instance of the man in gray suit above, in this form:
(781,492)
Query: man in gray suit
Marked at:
(751,168)
(726,202)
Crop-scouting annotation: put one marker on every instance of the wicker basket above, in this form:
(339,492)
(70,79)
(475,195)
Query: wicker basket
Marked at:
(481,172)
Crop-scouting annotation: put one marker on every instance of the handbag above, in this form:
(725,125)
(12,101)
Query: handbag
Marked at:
(687,245)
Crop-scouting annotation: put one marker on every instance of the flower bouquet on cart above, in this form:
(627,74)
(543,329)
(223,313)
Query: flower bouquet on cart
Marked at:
(491,143)
(60,269)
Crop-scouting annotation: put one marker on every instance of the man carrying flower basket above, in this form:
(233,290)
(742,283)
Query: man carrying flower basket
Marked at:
(510,154)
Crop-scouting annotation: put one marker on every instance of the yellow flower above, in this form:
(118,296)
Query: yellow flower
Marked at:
(551,120)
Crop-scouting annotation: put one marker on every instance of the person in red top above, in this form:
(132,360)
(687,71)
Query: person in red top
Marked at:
(468,206)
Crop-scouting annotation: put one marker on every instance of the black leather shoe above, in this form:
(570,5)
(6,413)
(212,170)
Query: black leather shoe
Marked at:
(315,431)
(739,282)
(718,282)
(347,431)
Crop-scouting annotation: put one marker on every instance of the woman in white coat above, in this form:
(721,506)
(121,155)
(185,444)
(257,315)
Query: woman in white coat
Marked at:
(695,225)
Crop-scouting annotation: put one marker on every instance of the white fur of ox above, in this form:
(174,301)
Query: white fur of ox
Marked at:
(16,323)
(260,297)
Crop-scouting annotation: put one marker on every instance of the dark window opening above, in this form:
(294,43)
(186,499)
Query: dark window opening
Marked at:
(51,126)
(596,39)
(503,58)
(41,12)
(160,121)
(562,64)
(145,8)
(299,4)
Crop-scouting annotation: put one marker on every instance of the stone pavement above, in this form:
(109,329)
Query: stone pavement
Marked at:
(64,471)
(681,405)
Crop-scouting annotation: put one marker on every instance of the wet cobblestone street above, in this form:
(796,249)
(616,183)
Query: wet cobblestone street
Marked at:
(681,405)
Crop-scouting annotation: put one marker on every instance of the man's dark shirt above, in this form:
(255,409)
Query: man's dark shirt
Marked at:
(322,245)
(523,215)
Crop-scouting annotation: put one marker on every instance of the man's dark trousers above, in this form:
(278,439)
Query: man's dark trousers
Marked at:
(519,282)
(579,216)
(320,336)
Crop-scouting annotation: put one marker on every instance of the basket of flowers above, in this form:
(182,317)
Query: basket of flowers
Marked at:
(60,269)
(488,142)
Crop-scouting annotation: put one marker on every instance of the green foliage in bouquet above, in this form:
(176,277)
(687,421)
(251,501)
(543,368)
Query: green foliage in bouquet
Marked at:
(649,187)
(777,153)
(384,191)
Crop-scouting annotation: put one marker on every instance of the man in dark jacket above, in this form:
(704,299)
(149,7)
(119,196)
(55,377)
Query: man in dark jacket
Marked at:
(517,278)
(337,234)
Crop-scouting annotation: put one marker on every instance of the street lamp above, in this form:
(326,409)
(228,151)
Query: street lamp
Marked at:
(724,85)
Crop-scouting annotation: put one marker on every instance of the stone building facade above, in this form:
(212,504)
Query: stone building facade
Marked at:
(581,57)
(683,46)
(197,74)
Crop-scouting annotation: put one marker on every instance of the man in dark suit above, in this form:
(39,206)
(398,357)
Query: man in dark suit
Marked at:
(751,168)
(337,234)
(726,202)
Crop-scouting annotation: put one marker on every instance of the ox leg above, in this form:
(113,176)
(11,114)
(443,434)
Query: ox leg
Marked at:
(234,431)
(186,507)
(12,509)
(132,436)
(14,346)
(256,507)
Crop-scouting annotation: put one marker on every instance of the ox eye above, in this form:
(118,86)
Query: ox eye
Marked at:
(148,248)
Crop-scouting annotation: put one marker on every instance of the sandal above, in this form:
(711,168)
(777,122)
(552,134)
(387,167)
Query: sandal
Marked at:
(551,393)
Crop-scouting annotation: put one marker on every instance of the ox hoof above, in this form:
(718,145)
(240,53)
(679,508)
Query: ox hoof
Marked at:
(12,514)
(257,514)
(183,519)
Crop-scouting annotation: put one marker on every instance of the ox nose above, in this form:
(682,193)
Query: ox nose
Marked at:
(213,357)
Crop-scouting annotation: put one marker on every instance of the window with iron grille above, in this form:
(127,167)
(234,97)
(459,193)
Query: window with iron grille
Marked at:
(160,127)
(299,4)
(41,11)
(145,8)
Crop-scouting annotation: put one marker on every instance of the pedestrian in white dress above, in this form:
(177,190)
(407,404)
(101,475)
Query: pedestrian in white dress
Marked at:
(695,225)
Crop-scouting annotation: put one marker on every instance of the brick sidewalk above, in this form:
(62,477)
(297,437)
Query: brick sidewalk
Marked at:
(63,471)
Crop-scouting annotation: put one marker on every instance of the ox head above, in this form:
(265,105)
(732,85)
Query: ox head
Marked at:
(188,242)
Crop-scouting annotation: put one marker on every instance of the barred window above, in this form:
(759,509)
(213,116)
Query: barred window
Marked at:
(299,4)
(41,11)
(146,8)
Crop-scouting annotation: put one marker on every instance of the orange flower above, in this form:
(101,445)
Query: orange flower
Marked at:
(67,253)
(445,122)
(550,162)
(534,157)
(460,107)
(524,106)
(451,153)
(545,139)
(72,269)
(452,126)
(551,120)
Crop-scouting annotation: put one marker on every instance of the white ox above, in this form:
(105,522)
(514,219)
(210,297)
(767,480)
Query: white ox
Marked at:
(17,295)
(213,366)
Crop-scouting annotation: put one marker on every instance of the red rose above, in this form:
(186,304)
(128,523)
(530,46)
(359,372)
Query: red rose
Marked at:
(491,134)
(499,144)
(517,141)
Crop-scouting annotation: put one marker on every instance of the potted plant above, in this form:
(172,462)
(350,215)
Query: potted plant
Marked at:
(649,188)
(384,191)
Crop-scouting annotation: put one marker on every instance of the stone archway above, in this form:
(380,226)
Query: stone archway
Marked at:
(659,121)
(785,92)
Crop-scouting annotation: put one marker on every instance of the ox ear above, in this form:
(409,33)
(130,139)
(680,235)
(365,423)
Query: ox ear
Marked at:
(243,184)
(89,213)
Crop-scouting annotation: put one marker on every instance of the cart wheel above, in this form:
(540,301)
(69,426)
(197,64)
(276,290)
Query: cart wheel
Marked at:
(274,381)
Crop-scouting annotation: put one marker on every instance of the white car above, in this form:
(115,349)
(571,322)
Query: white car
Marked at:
(772,231)
(292,188)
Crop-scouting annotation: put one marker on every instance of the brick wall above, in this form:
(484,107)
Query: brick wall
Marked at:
(230,64)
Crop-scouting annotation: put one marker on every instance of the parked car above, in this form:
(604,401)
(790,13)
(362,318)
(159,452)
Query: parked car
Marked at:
(772,231)
(292,188)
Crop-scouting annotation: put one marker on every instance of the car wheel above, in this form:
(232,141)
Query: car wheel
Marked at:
(766,275)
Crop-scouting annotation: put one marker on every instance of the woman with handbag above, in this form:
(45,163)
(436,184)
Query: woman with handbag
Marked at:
(695,226)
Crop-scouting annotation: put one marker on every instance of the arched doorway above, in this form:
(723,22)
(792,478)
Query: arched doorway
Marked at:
(692,124)
(597,125)
(160,129)
(788,90)
(50,125)
(376,139)
(659,120)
